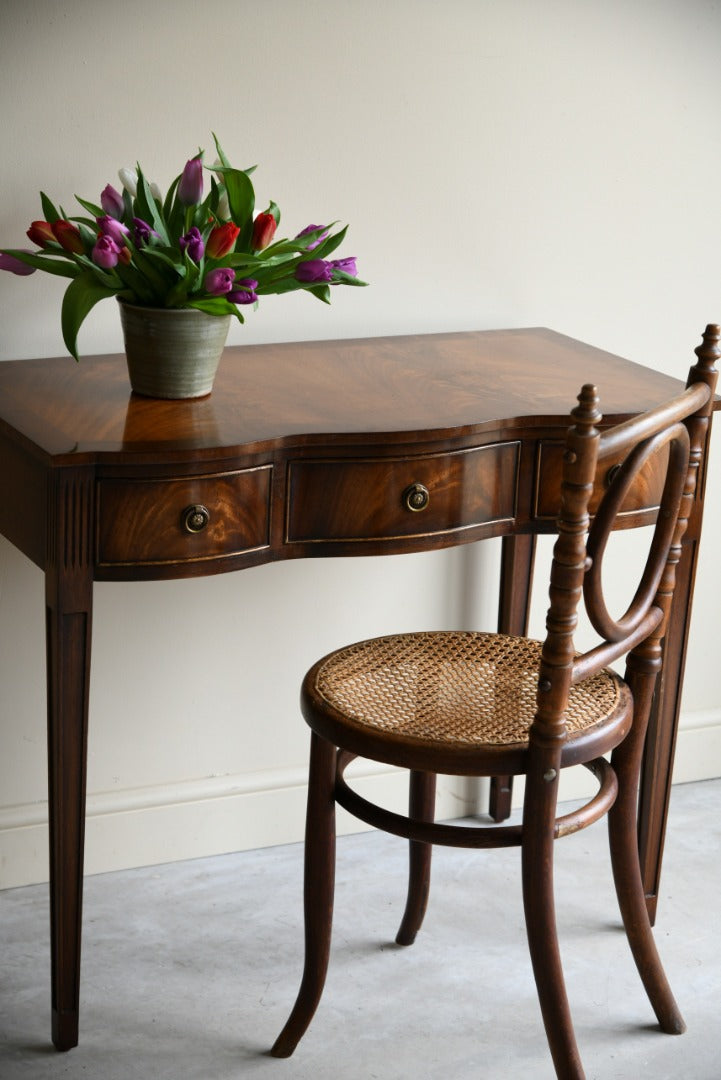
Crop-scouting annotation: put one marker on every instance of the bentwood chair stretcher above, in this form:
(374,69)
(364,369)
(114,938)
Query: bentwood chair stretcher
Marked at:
(377,446)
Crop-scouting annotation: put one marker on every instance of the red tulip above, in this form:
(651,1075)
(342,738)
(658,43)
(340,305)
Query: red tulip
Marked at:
(222,240)
(264,228)
(68,236)
(41,233)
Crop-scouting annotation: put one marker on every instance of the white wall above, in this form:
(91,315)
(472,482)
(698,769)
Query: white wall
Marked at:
(501,163)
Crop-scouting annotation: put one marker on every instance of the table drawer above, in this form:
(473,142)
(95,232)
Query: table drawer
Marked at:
(185,519)
(399,497)
(645,493)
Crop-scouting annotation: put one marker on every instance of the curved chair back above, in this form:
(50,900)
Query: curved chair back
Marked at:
(676,429)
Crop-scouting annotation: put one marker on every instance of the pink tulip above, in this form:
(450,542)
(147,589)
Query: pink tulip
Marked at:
(106,252)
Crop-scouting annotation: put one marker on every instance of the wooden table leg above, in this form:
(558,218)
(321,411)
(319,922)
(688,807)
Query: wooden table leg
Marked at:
(517,557)
(68,592)
(657,767)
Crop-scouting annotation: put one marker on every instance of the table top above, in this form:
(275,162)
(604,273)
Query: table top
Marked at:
(393,390)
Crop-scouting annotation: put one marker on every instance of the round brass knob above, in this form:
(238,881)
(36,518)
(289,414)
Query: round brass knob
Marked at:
(195,518)
(416,497)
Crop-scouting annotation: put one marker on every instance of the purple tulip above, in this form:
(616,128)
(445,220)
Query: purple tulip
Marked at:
(112,202)
(109,226)
(348,266)
(313,243)
(190,188)
(220,281)
(192,242)
(106,252)
(142,232)
(314,271)
(244,293)
(15,266)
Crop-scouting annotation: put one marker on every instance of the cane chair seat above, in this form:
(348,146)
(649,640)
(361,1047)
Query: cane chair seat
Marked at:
(460,691)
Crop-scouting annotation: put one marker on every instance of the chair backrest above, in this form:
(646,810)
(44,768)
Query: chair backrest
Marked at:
(677,430)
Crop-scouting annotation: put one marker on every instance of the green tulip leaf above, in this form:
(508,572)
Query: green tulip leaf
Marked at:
(219,150)
(49,210)
(80,298)
(341,278)
(48,263)
(280,286)
(168,204)
(241,198)
(92,208)
(216,305)
(321,291)
(326,247)
(284,247)
(147,208)
(160,271)
(137,284)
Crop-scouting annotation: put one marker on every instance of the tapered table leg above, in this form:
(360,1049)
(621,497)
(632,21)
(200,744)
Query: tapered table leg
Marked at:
(657,767)
(517,558)
(68,625)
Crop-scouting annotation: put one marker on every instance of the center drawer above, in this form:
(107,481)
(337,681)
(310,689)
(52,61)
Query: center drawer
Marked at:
(151,522)
(397,497)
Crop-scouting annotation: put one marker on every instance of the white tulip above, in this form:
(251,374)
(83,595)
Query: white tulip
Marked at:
(224,206)
(129,180)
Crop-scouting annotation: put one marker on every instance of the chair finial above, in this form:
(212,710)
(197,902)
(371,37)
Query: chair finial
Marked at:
(587,413)
(710,349)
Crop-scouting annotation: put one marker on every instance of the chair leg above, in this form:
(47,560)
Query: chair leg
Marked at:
(538,901)
(319,884)
(623,839)
(422,805)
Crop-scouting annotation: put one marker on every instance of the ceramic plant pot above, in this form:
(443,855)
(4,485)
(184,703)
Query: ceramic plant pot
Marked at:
(172,352)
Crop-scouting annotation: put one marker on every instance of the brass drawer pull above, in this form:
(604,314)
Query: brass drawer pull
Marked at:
(195,518)
(416,497)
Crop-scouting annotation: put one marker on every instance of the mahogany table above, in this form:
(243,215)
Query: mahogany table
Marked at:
(358,447)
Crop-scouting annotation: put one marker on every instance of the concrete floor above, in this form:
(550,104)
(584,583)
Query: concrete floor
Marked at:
(189,970)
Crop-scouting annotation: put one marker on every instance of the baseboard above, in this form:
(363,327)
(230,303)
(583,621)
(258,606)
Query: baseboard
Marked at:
(149,826)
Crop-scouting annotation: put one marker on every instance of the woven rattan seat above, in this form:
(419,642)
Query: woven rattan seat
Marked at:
(457,687)
(467,703)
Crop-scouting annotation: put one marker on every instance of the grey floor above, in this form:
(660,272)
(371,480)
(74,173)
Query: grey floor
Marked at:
(189,970)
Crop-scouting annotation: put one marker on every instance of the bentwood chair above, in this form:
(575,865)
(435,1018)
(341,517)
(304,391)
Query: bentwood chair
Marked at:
(479,704)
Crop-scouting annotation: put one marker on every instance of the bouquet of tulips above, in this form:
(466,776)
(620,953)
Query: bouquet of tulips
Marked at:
(213,253)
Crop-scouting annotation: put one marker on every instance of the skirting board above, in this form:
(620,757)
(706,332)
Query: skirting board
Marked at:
(211,817)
